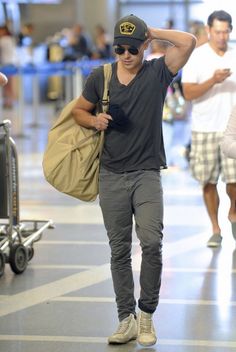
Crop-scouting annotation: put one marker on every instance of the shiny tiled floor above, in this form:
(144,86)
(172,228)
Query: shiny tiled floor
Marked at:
(64,300)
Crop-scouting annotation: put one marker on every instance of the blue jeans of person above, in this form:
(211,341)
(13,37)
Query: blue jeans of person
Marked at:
(125,196)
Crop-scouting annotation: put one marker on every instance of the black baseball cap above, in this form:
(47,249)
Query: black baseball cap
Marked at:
(130,30)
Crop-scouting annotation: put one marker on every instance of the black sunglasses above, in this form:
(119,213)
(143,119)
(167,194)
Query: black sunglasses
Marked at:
(119,50)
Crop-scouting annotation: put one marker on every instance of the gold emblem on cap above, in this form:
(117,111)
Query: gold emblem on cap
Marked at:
(127,28)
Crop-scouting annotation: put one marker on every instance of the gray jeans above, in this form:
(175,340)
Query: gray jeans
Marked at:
(123,196)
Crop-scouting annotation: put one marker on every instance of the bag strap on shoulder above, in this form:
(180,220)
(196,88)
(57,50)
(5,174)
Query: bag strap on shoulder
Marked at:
(107,71)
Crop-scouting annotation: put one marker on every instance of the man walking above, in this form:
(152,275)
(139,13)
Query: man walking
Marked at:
(131,161)
(209,81)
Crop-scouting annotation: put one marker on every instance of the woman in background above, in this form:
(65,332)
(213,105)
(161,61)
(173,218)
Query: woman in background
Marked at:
(8,57)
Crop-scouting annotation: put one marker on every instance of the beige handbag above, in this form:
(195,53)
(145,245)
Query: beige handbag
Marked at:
(71,158)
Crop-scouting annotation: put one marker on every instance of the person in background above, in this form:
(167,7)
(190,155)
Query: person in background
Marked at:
(25,43)
(209,81)
(103,47)
(170,24)
(229,138)
(157,49)
(228,146)
(25,37)
(198,29)
(79,44)
(131,161)
(7,58)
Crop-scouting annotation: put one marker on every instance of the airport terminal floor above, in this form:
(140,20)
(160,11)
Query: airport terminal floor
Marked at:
(64,301)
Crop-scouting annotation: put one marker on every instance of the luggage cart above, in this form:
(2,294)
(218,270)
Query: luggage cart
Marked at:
(16,237)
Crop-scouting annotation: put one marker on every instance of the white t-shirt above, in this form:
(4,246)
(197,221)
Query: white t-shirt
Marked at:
(210,112)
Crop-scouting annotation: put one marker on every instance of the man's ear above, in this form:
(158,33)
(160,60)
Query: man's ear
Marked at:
(146,43)
(208,30)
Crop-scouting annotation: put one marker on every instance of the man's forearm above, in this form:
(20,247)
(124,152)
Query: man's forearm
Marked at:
(83,118)
(195,90)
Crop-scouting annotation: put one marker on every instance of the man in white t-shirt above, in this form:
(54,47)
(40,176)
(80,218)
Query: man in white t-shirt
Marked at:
(209,81)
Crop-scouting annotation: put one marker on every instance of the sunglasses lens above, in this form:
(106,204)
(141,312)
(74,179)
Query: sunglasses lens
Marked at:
(133,51)
(119,50)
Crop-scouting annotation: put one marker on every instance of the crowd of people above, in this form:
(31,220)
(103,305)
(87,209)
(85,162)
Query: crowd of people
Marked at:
(76,43)
(70,44)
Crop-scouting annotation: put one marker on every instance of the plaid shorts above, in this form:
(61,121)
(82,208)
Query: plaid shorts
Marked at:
(207,161)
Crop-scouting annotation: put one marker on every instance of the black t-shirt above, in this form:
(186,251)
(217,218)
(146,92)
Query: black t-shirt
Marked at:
(140,144)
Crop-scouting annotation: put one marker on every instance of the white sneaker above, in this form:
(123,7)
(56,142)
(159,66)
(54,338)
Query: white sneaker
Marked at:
(146,331)
(127,331)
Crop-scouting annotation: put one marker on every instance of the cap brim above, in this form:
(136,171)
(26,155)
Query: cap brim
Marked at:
(128,41)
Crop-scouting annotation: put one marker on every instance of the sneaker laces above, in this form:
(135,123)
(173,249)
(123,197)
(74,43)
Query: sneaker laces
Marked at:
(145,324)
(123,326)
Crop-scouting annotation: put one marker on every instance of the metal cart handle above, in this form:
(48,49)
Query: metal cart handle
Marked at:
(6,123)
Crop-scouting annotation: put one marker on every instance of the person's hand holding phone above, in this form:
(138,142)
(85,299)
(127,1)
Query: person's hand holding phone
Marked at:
(221,74)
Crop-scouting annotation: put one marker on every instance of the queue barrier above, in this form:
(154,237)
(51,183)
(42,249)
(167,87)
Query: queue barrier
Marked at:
(74,73)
